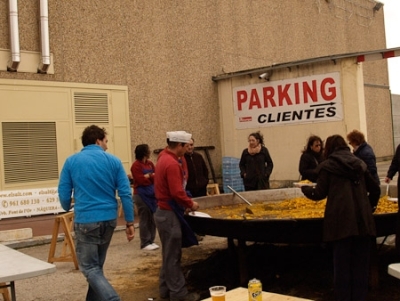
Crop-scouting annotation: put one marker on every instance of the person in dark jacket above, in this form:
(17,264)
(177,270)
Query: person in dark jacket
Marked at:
(255,164)
(363,151)
(312,156)
(352,194)
(393,169)
(198,172)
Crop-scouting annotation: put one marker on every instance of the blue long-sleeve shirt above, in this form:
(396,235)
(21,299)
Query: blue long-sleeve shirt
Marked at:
(94,177)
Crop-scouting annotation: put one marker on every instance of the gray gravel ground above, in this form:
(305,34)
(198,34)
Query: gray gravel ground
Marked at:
(132,272)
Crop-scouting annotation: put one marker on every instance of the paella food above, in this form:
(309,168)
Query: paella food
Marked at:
(295,208)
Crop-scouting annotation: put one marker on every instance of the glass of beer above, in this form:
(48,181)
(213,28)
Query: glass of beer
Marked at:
(218,293)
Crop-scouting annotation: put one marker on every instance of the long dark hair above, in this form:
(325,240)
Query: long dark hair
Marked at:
(332,143)
(310,143)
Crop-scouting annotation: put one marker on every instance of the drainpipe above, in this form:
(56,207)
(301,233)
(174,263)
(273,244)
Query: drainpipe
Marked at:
(14,37)
(44,37)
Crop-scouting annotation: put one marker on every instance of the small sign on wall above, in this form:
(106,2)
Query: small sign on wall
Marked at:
(315,98)
(28,202)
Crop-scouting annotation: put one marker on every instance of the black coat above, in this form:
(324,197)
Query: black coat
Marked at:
(256,169)
(394,168)
(309,161)
(345,181)
(366,153)
(197,173)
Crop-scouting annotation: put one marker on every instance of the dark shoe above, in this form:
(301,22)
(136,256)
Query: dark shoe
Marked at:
(188,297)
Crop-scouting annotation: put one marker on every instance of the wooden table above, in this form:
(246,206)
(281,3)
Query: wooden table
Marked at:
(241,294)
(15,265)
(394,270)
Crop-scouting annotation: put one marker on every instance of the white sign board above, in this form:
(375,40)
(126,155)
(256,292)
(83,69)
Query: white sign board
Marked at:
(27,202)
(315,98)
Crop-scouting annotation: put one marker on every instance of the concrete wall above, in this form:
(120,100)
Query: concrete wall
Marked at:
(166,52)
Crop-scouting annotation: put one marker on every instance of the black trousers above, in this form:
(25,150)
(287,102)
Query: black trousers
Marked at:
(351,257)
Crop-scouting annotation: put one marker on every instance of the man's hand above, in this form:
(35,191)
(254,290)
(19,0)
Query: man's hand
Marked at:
(130,232)
(195,206)
(387,180)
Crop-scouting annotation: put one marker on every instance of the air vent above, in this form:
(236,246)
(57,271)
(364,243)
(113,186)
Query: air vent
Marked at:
(91,108)
(30,151)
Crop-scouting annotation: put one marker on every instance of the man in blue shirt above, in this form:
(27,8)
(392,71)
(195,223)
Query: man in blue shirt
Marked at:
(94,176)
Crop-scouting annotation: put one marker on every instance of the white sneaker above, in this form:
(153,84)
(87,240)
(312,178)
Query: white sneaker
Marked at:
(150,247)
(156,246)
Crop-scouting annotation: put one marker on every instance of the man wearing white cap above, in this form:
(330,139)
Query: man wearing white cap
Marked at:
(169,185)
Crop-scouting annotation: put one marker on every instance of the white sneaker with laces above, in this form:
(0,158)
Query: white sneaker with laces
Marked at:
(150,247)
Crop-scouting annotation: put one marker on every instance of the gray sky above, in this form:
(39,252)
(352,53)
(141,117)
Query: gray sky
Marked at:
(392,27)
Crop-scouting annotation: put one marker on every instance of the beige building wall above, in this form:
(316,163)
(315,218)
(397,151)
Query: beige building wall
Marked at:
(165,53)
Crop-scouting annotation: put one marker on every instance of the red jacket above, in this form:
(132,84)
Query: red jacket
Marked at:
(170,180)
(138,170)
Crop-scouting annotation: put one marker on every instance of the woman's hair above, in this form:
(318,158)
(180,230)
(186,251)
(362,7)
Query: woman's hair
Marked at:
(258,137)
(92,133)
(332,143)
(356,137)
(311,141)
(141,151)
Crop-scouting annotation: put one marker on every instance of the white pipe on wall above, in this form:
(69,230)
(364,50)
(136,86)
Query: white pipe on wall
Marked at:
(14,36)
(44,36)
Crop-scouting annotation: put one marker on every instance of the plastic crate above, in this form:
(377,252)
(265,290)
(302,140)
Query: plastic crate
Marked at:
(229,172)
(230,160)
(232,181)
(238,188)
(226,166)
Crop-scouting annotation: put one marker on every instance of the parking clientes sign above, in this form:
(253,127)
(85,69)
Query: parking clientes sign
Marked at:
(315,98)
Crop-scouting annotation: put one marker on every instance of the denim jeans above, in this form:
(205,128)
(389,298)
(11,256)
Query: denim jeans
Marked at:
(92,241)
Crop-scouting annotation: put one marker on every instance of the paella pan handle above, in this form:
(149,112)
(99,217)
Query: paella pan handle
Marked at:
(235,192)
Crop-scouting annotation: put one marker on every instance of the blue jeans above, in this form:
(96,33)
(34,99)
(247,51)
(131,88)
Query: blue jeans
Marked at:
(92,241)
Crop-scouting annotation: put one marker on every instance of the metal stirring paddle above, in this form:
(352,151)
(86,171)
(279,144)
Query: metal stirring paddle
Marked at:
(235,192)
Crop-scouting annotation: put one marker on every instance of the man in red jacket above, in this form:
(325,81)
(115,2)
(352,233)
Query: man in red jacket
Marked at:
(169,184)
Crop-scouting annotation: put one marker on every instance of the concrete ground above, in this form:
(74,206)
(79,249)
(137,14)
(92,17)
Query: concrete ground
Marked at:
(131,271)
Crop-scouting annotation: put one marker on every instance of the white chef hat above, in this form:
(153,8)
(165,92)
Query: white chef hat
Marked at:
(179,136)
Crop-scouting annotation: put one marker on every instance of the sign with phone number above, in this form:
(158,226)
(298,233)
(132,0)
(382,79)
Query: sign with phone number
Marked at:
(28,202)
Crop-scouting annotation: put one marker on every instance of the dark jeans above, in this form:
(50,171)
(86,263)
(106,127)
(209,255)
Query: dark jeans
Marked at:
(92,241)
(351,258)
(398,234)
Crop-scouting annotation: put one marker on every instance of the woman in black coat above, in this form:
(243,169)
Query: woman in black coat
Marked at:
(393,169)
(312,156)
(364,151)
(352,194)
(255,164)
